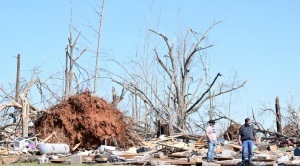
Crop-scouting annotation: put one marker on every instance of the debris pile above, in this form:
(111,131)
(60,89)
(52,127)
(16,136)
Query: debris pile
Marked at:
(173,151)
(87,129)
(164,150)
(87,120)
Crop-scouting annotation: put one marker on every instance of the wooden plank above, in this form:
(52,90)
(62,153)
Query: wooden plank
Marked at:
(76,146)
(182,162)
(273,147)
(200,143)
(175,136)
(262,147)
(147,143)
(128,162)
(150,152)
(236,146)
(220,158)
(179,153)
(58,160)
(177,156)
(200,140)
(10,160)
(227,147)
(218,150)
(189,136)
(174,146)
(50,136)
(128,156)
(259,152)
(201,146)
(262,159)
(177,162)
(4,152)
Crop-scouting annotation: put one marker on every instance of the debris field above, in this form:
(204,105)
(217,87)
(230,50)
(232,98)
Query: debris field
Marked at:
(96,132)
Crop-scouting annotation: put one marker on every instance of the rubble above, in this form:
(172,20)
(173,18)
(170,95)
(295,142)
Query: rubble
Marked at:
(167,150)
(87,130)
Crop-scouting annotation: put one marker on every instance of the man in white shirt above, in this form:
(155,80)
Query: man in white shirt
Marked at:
(212,138)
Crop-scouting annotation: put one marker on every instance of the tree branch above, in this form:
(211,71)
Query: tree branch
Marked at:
(194,105)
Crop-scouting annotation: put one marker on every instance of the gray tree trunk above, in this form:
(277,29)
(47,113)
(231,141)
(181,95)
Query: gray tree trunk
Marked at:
(278,116)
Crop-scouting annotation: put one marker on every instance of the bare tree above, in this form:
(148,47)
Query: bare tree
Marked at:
(26,111)
(71,59)
(180,90)
(98,49)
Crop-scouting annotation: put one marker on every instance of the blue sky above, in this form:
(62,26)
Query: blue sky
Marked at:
(258,39)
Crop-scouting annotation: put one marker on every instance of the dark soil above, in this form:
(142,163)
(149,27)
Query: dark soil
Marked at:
(232,132)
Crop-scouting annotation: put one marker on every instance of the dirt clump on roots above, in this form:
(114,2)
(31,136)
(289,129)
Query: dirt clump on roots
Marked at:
(86,119)
(232,132)
(290,130)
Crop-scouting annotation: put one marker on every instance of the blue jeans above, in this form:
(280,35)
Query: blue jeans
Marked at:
(211,150)
(247,149)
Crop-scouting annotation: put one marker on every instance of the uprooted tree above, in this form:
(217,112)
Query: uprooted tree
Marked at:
(75,78)
(171,84)
(23,110)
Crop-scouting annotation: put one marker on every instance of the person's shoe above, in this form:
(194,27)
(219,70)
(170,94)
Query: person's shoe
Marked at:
(243,163)
(211,161)
(208,161)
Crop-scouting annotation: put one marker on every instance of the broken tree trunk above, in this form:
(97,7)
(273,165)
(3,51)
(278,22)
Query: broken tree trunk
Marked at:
(117,99)
(17,86)
(278,117)
(171,130)
(25,114)
(162,128)
(18,79)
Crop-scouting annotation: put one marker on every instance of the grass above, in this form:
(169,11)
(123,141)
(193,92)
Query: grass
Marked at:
(34,162)
(37,164)
(285,149)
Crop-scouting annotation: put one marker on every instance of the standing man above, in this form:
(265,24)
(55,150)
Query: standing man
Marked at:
(211,137)
(246,139)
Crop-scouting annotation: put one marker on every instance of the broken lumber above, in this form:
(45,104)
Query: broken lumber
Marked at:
(76,146)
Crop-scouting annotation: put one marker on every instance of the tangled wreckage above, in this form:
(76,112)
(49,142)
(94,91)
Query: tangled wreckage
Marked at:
(87,129)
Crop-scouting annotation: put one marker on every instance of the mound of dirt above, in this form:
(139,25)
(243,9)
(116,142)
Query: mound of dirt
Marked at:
(290,130)
(86,119)
(232,132)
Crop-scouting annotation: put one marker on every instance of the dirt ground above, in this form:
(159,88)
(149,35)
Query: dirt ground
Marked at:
(86,119)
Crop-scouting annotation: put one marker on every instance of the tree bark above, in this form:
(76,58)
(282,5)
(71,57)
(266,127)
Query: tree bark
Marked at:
(66,75)
(117,99)
(132,106)
(278,116)
(98,51)
(18,79)
(171,128)
(25,113)
(17,87)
